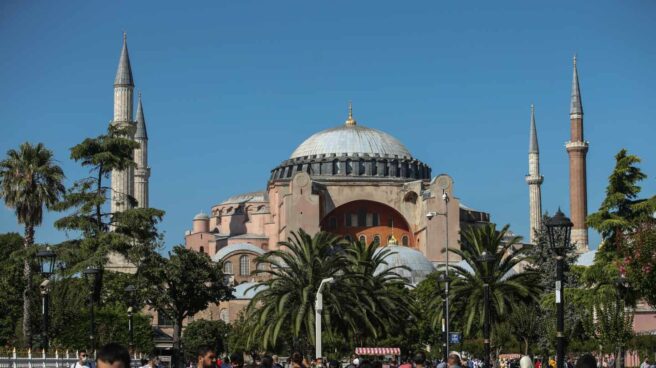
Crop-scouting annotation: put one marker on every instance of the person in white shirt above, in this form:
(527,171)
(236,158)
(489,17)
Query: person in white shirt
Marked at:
(82,360)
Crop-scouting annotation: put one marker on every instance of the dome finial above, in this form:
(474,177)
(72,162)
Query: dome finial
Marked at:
(350,121)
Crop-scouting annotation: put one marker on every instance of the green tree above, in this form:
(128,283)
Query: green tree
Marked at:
(29,181)
(286,299)
(203,332)
(12,284)
(507,287)
(524,322)
(639,262)
(621,211)
(181,286)
(367,302)
(134,230)
(610,323)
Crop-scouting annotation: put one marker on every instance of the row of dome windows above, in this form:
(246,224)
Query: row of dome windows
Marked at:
(405,240)
(360,219)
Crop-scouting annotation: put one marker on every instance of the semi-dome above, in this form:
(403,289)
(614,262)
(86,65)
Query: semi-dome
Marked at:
(350,140)
(419,266)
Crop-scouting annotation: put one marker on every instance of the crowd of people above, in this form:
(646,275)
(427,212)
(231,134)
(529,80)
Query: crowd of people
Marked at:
(116,356)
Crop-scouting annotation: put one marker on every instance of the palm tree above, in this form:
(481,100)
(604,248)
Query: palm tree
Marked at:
(286,299)
(382,304)
(366,300)
(29,180)
(508,288)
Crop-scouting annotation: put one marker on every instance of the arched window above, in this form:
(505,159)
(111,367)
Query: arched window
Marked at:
(405,240)
(227,268)
(377,239)
(244,266)
(224,315)
(202,249)
(363,239)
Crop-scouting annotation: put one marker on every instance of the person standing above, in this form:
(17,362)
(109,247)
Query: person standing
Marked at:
(205,357)
(453,361)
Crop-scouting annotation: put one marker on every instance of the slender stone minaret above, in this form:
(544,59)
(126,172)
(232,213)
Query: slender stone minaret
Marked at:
(122,181)
(534,180)
(142,171)
(577,149)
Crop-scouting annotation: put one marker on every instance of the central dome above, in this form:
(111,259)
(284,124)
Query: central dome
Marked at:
(350,139)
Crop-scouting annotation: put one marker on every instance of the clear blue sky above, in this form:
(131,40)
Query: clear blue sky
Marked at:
(230,88)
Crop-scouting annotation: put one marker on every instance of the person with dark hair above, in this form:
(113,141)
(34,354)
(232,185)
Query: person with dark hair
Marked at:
(237,360)
(420,359)
(297,360)
(205,357)
(82,360)
(586,361)
(267,362)
(113,355)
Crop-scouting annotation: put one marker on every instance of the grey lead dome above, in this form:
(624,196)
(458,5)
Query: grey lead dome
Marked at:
(351,140)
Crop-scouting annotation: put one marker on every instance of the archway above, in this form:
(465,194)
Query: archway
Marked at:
(368,221)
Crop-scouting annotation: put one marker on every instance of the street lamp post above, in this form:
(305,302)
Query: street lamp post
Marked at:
(559,229)
(444,184)
(131,291)
(92,276)
(445,321)
(46,260)
(488,260)
(318,307)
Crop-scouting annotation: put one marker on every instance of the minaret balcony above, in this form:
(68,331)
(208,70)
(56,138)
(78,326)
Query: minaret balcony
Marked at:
(577,146)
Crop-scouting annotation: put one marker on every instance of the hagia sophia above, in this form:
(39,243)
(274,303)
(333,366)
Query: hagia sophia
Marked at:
(349,179)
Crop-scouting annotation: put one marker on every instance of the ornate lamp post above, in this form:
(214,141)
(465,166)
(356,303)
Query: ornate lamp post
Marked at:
(559,229)
(92,277)
(131,290)
(46,260)
(488,260)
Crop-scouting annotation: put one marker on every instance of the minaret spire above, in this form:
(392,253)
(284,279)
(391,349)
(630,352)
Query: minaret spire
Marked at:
(533,134)
(576,107)
(534,181)
(141,171)
(124,71)
(577,149)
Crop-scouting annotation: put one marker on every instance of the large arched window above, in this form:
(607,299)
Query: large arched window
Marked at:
(405,240)
(202,249)
(377,239)
(244,266)
(227,268)
(224,315)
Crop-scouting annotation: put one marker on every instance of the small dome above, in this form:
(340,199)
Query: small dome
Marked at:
(352,139)
(247,290)
(201,216)
(420,267)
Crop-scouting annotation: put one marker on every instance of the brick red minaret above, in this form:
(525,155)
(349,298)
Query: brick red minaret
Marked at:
(577,149)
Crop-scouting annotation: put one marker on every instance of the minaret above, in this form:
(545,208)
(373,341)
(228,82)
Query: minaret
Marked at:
(122,181)
(577,148)
(534,180)
(141,171)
